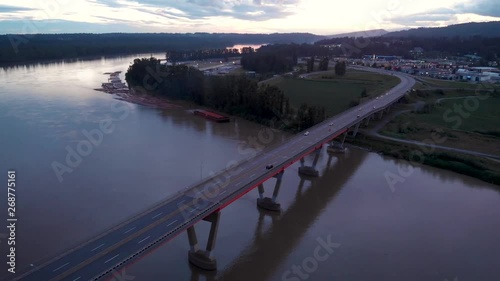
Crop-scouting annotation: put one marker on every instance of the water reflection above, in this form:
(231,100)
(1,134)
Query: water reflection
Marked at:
(409,170)
(270,247)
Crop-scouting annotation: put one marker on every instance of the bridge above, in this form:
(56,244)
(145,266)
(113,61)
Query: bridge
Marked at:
(99,257)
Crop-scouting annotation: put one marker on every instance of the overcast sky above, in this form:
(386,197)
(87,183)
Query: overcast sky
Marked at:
(324,17)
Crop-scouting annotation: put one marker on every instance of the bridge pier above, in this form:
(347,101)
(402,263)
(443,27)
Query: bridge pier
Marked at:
(355,131)
(310,170)
(381,114)
(270,203)
(367,120)
(204,259)
(337,146)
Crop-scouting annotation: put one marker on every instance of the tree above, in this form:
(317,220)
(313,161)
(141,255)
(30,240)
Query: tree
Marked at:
(364,94)
(310,65)
(323,64)
(340,68)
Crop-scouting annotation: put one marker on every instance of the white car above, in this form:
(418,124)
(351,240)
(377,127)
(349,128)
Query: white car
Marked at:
(331,124)
(373,107)
(306,133)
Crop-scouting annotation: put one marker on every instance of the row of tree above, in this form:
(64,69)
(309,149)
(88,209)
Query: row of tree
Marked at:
(438,47)
(235,95)
(284,57)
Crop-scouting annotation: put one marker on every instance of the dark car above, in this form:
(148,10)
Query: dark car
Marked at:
(270,166)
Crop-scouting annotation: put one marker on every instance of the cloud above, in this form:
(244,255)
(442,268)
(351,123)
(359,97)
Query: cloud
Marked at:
(62,26)
(489,8)
(425,19)
(254,10)
(485,10)
(12,9)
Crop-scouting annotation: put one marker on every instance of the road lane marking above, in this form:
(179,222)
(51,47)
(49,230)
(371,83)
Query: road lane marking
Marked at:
(97,247)
(252,175)
(172,223)
(223,192)
(129,230)
(111,258)
(77,278)
(60,267)
(157,215)
(193,210)
(181,202)
(143,240)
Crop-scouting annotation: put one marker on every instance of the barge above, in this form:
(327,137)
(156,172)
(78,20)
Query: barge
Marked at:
(212,116)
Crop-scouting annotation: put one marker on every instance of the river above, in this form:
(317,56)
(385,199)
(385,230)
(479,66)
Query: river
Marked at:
(349,224)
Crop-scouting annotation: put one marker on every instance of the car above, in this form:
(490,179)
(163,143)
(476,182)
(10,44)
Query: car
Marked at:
(306,133)
(331,124)
(357,116)
(359,109)
(373,107)
(376,98)
(269,166)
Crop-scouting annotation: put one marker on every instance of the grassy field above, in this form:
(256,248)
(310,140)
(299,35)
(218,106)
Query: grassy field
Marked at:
(474,127)
(430,83)
(333,92)
(483,115)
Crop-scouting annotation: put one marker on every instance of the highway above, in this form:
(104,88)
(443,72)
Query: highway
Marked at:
(116,247)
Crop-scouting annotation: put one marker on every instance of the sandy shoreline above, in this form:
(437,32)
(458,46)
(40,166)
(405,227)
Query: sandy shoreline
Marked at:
(121,92)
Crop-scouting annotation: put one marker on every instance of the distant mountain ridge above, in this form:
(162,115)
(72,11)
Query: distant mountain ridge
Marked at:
(366,34)
(484,29)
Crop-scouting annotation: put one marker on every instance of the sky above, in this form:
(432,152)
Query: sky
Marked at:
(323,17)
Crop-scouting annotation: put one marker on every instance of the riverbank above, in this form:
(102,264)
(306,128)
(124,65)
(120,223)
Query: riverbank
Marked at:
(116,87)
(485,169)
(421,132)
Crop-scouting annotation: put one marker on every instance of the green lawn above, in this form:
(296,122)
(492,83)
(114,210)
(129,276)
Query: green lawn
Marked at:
(438,83)
(333,92)
(483,118)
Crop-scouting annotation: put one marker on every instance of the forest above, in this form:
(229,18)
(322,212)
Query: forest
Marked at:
(231,94)
(440,47)
(18,48)
(280,58)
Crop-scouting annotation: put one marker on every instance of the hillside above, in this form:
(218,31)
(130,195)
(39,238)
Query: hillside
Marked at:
(22,48)
(484,29)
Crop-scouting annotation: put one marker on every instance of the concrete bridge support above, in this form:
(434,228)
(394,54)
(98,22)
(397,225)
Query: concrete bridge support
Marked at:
(381,114)
(367,120)
(337,146)
(200,258)
(270,203)
(310,170)
(355,131)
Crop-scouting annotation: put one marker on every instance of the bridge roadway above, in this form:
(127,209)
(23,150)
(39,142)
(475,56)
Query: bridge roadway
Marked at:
(115,248)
